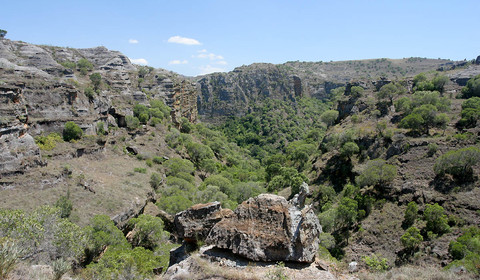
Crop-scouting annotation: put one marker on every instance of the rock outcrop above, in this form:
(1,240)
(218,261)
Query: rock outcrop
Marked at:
(196,222)
(269,228)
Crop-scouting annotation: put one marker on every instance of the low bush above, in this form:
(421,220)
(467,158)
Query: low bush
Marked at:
(72,131)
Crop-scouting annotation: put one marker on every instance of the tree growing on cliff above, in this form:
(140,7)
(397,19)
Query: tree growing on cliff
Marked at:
(3,33)
(96,79)
(72,131)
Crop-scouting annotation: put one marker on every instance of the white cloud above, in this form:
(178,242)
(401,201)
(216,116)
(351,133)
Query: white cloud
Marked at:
(221,62)
(202,51)
(211,56)
(208,69)
(133,41)
(174,62)
(141,61)
(183,40)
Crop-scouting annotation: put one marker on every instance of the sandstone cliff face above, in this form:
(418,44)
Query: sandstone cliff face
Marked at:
(38,95)
(236,93)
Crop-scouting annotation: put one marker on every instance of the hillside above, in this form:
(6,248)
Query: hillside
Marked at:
(103,155)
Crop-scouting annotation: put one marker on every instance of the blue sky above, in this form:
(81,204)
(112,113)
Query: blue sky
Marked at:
(197,37)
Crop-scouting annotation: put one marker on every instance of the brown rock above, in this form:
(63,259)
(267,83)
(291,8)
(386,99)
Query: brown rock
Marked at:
(269,228)
(196,222)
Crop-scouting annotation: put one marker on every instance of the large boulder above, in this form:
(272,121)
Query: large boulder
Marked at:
(196,222)
(269,228)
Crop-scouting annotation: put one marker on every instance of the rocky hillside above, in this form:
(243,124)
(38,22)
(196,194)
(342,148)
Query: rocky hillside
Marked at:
(235,93)
(43,87)
(374,140)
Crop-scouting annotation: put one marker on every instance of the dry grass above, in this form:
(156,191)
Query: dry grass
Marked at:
(415,273)
(110,173)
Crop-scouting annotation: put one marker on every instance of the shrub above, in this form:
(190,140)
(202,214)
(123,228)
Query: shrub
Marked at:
(69,64)
(329,117)
(60,267)
(102,232)
(185,125)
(9,256)
(199,152)
(376,263)
(432,149)
(122,263)
(470,112)
(101,128)
(65,205)
(132,122)
(436,219)
(140,170)
(411,239)
(421,119)
(148,231)
(377,173)
(472,88)
(174,204)
(389,91)
(72,131)
(3,33)
(458,163)
(48,142)
(356,91)
(96,79)
(349,149)
(411,214)
(175,165)
(466,250)
(84,66)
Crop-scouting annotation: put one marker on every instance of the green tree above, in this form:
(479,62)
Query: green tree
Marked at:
(422,119)
(356,91)
(470,112)
(132,122)
(72,131)
(347,212)
(96,79)
(411,214)
(174,166)
(439,82)
(458,163)
(377,173)
(329,117)
(411,239)
(199,152)
(437,221)
(349,149)
(102,232)
(3,33)
(288,177)
(148,231)
(389,91)
(472,88)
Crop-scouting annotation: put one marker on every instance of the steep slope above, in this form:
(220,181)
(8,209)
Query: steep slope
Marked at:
(236,92)
(42,87)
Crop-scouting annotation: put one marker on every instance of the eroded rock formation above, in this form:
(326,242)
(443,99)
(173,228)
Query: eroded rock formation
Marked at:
(269,228)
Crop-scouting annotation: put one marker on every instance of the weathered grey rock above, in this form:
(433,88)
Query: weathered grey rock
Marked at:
(18,151)
(269,228)
(352,266)
(196,222)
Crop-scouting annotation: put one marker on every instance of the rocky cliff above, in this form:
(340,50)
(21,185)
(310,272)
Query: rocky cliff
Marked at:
(237,92)
(43,87)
